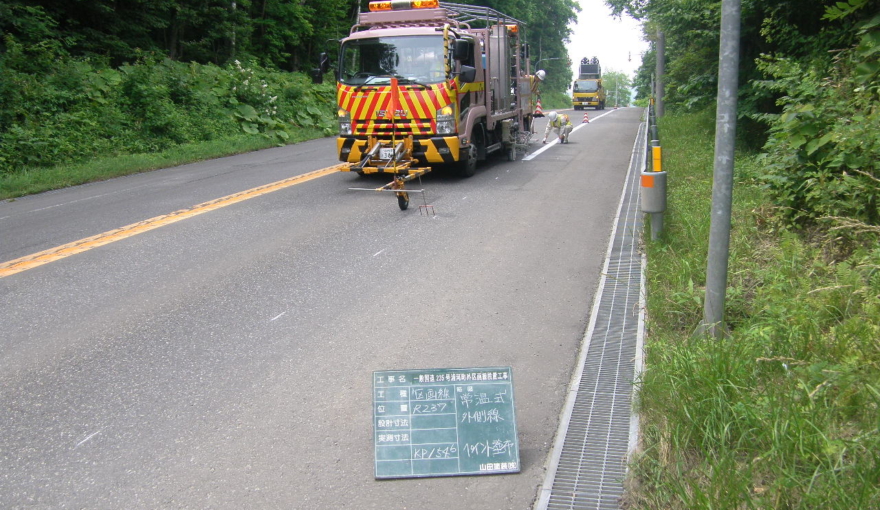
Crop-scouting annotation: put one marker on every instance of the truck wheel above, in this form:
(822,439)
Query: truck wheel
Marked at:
(468,166)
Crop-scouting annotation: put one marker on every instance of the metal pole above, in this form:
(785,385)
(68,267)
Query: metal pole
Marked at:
(722,184)
(651,121)
(660,70)
(656,218)
(656,225)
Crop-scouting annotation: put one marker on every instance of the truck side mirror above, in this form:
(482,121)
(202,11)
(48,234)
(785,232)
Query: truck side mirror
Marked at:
(468,74)
(323,66)
(461,49)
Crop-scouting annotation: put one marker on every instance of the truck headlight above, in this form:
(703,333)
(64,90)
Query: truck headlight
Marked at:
(344,118)
(445,121)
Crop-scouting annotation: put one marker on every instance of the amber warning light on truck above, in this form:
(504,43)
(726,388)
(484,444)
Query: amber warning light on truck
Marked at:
(401,5)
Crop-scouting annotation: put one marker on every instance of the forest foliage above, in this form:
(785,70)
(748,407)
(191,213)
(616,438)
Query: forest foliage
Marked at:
(808,95)
(782,410)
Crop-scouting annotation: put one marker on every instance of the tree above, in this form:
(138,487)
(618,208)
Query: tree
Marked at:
(793,28)
(617,87)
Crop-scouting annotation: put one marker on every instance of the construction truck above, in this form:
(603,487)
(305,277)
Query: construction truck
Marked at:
(587,89)
(422,83)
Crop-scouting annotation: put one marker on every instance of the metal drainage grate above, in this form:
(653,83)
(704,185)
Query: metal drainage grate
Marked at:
(598,429)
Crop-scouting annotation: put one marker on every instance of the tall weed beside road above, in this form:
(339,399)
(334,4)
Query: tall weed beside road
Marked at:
(783,412)
(75,112)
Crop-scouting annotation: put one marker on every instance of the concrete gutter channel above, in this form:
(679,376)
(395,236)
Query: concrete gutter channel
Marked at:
(598,430)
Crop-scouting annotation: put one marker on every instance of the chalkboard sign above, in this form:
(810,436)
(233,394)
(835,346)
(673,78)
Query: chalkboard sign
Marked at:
(444,422)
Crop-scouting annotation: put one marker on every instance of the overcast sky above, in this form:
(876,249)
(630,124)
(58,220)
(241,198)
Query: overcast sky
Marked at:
(617,42)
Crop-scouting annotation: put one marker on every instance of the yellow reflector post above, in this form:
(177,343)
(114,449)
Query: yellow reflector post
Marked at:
(658,160)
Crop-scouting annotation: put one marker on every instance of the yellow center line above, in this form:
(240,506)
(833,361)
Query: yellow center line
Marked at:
(66,250)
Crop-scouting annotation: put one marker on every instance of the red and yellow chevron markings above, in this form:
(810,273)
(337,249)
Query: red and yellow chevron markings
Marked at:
(416,106)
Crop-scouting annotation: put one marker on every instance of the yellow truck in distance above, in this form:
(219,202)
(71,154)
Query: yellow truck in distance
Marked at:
(587,89)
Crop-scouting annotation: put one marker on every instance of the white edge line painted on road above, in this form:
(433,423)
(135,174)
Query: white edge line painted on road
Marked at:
(87,438)
(59,252)
(555,141)
(543,499)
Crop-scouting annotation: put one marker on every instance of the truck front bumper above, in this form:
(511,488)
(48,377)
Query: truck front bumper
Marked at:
(429,151)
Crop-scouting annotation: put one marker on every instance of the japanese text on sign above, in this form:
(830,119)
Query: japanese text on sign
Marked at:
(444,422)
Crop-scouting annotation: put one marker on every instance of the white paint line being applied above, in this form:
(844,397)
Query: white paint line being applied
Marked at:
(556,141)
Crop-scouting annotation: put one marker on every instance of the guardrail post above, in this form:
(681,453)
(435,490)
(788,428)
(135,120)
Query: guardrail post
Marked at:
(653,181)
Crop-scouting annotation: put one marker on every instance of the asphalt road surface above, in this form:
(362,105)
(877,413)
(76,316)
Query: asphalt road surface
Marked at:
(225,360)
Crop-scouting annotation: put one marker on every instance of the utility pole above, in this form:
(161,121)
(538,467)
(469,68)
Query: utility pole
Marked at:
(660,71)
(722,180)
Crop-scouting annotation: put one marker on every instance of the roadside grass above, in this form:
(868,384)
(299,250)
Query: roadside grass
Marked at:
(783,412)
(30,181)
(555,101)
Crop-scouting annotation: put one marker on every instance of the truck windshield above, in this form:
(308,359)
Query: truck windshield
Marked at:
(413,59)
(586,86)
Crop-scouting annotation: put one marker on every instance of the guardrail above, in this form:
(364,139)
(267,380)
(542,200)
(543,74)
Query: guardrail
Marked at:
(653,179)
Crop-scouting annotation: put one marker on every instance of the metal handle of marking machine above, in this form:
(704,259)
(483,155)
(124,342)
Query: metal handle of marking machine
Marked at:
(370,155)
(399,150)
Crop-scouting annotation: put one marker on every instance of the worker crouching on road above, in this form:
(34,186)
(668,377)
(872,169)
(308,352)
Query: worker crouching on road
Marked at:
(561,123)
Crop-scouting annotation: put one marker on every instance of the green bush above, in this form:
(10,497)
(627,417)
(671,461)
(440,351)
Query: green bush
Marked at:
(555,101)
(821,156)
(81,109)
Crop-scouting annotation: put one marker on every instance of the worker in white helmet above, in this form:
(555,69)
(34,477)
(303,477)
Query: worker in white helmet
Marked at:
(561,123)
(534,97)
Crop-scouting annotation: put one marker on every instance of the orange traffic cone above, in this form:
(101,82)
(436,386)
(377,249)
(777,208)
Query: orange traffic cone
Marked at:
(586,119)
(538,111)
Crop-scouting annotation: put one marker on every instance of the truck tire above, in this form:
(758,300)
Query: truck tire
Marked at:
(467,167)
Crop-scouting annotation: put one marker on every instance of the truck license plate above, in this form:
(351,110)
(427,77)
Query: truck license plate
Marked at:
(386,153)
